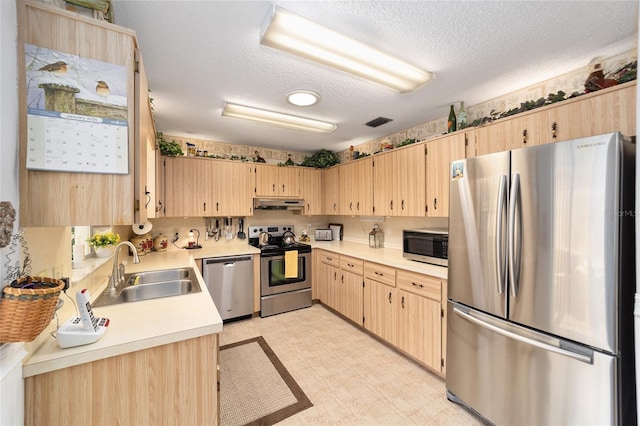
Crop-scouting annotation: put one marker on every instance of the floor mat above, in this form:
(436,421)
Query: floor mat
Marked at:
(255,388)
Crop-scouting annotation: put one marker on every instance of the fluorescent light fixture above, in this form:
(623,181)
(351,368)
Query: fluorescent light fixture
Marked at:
(302,97)
(276,118)
(302,37)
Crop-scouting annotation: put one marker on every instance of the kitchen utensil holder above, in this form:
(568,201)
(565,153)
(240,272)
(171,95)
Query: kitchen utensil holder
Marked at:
(25,312)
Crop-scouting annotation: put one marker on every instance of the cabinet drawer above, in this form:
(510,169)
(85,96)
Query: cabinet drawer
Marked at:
(330,258)
(352,264)
(383,274)
(424,285)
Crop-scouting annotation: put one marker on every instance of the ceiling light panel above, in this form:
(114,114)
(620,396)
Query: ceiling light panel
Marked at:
(277,118)
(302,37)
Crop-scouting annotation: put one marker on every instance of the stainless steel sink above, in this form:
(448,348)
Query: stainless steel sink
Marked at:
(151,285)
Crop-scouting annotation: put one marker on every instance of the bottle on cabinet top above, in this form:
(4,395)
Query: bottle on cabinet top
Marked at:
(452,123)
(462,117)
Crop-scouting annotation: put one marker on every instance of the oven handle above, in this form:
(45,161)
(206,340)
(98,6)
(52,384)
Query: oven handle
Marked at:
(263,255)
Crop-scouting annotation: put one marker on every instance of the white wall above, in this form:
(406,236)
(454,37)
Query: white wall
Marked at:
(11,355)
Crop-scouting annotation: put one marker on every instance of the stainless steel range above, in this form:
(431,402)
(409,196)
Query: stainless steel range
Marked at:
(285,269)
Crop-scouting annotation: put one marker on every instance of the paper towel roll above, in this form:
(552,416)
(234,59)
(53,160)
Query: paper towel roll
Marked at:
(141,228)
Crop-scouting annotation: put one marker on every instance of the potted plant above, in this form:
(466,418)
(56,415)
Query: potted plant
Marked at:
(103,244)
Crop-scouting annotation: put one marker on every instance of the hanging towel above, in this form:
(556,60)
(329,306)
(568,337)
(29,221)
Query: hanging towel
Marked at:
(291,264)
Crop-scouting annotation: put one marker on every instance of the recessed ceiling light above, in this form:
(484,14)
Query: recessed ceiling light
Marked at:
(302,37)
(277,118)
(302,97)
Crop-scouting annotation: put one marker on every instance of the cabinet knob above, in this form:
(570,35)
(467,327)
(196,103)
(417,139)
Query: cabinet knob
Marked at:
(389,297)
(402,205)
(524,136)
(204,207)
(417,285)
(402,302)
(358,206)
(350,206)
(283,187)
(273,187)
(391,204)
(435,204)
(554,127)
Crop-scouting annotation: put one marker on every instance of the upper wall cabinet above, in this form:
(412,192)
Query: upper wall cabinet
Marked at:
(71,90)
(276,181)
(331,187)
(605,111)
(356,188)
(440,153)
(399,182)
(312,191)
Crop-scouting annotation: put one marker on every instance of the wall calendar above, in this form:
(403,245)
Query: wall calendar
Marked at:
(77,113)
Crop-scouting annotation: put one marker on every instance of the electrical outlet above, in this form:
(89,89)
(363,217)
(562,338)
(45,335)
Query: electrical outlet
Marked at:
(176,235)
(66,282)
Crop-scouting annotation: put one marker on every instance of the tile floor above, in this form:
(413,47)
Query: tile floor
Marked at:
(350,377)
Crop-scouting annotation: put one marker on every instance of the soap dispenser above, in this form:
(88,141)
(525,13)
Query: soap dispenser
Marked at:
(376,237)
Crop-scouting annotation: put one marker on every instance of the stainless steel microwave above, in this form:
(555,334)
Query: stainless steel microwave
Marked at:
(426,245)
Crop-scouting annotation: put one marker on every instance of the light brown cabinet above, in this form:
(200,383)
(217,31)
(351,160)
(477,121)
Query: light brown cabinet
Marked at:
(381,301)
(312,190)
(331,187)
(420,317)
(328,278)
(351,288)
(399,182)
(173,384)
(204,187)
(276,181)
(52,198)
(605,111)
(356,188)
(440,154)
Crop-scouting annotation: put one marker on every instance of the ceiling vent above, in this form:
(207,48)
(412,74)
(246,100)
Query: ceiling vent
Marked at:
(378,121)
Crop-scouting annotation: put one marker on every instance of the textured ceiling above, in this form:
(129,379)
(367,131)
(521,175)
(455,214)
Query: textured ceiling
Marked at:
(199,54)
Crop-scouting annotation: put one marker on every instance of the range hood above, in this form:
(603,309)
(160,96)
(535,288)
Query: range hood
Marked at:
(277,204)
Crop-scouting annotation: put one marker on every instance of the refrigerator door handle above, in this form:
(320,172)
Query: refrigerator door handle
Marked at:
(500,254)
(514,240)
(541,341)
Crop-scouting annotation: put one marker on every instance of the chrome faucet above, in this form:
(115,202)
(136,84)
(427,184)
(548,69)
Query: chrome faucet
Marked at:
(117,275)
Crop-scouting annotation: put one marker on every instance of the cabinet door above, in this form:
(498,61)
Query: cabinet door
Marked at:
(419,328)
(266,180)
(329,290)
(440,154)
(380,304)
(351,293)
(52,198)
(348,190)
(331,185)
(289,182)
(409,181)
(312,191)
(187,192)
(363,185)
(383,183)
(231,184)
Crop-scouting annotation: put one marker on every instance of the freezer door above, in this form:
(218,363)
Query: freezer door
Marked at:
(564,268)
(477,232)
(513,376)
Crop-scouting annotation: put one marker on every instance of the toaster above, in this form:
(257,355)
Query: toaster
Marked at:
(323,235)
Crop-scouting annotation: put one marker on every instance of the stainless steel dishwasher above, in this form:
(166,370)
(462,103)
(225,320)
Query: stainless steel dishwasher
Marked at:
(230,283)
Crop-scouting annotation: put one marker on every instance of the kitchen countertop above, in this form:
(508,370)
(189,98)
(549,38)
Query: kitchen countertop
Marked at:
(139,325)
(386,256)
(145,324)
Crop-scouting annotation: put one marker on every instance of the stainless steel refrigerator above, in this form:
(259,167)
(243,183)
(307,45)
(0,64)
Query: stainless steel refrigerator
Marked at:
(541,284)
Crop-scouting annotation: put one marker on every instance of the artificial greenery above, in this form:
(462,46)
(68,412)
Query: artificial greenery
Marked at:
(171,149)
(321,159)
(406,142)
(104,240)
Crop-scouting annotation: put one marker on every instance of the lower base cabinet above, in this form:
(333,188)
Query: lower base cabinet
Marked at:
(173,384)
(403,308)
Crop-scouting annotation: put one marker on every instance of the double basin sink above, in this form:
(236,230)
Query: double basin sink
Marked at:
(151,285)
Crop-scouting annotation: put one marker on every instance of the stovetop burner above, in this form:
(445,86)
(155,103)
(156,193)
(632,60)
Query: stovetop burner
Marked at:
(276,239)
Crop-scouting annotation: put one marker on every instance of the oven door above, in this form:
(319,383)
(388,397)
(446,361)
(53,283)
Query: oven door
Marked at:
(272,277)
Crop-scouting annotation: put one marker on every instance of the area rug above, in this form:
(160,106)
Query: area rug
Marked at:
(255,388)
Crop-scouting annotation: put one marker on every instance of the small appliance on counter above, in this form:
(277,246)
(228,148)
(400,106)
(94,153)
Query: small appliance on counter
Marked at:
(323,235)
(426,245)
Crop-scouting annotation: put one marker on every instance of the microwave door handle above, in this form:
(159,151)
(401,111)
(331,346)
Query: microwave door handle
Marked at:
(515,241)
(500,253)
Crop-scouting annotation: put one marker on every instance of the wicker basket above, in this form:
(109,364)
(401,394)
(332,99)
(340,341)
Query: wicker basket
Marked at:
(25,312)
